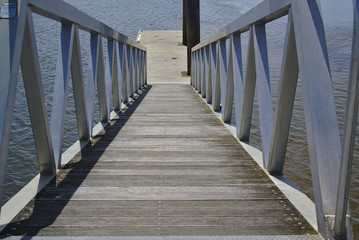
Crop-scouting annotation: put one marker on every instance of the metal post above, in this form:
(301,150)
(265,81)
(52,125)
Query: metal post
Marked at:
(12,31)
(286,94)
(349,134)
(193,28)
(184,34)
(58,109)
(319,109)
(264,88)
(35,98)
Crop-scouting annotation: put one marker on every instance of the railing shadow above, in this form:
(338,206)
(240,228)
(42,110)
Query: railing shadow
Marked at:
(47,206)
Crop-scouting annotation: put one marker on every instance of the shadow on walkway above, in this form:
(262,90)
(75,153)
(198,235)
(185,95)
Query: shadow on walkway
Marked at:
(44,209)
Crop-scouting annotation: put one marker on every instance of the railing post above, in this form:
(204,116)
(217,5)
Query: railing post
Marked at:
(286,95)
(193,68)
(249,89)
(192,28)
(145,68)
(35,99)
(102,86)
(212,74)
(12,30)
(184,34)
(222,68)
(206,72)
(58,109)
(340,228)
(79,89)
(264,88)
(200,72)
(319,109)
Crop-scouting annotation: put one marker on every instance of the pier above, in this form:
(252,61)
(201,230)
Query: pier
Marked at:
(162,162)
(166,167)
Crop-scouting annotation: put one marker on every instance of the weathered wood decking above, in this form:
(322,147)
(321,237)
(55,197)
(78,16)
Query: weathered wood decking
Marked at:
(166,167)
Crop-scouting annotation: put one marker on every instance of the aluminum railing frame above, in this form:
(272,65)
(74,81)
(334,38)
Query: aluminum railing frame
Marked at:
(349,129)
(305,54)
(123,75)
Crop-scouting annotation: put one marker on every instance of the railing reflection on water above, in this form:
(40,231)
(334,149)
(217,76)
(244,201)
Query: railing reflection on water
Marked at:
(219,78)
(119,76)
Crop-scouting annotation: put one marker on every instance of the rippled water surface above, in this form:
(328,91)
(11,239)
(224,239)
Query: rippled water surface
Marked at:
(128,17)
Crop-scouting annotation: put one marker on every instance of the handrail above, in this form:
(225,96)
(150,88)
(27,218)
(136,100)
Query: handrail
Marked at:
(220,80)
(68,13)
(120,75)
(263,13)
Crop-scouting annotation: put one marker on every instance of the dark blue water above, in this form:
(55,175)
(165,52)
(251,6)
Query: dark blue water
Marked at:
(128,17)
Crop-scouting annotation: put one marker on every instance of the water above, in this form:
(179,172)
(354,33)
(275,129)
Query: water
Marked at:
(130,16)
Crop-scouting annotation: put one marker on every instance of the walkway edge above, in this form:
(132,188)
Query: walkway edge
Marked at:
(244,237)
(15,204)
(303,203)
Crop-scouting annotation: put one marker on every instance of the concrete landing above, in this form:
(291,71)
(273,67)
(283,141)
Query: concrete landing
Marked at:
(166,56)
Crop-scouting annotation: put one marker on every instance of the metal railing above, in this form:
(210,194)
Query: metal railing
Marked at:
(123,75)
(219,78)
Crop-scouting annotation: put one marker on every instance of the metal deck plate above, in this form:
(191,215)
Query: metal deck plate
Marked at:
(271,237)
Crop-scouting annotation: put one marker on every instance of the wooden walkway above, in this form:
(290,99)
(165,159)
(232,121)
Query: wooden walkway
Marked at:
(166,167)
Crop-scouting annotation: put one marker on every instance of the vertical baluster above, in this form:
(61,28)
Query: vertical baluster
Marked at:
(139,60)
(121,69)
(35,99)
(237,71)
(129,70)
(217,83)
(192,68)
(349,132)
(92,76)
(222,55)
(206,72)
(194,77)
(194,73)
(135,68)
(132,72)
(79,89)
(102,86)
(319,108)
(110,71)
(139,57)
(264,88)
(12,31)
(60,90)
(283,114)
(140,73)
(198,71)
(212,72)
(143,68)
(201,71)
(116,79)
(204,67)
(229,86)
(146,67)
(201,68)
(249,88)
(123,50)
